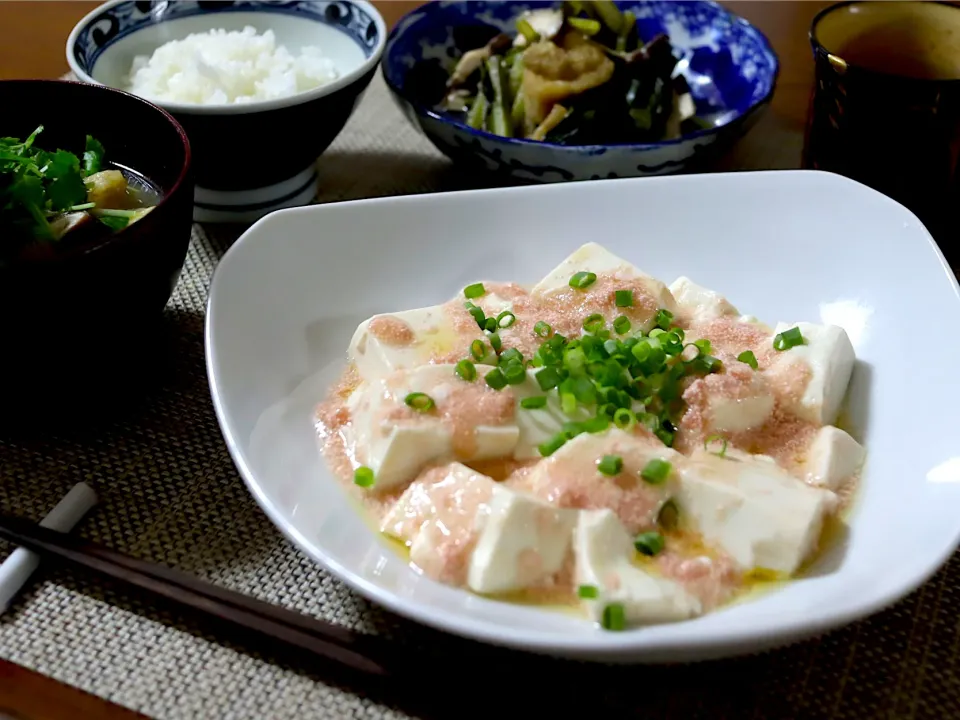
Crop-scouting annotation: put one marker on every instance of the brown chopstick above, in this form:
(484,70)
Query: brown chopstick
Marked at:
(371,655)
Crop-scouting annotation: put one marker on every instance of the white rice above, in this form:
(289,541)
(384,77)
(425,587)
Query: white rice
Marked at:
(220,67)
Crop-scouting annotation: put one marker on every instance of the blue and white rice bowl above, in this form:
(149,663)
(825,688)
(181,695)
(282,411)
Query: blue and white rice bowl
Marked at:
(255,157)
(729,64)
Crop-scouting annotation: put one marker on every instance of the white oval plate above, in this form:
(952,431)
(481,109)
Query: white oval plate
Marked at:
(781,245)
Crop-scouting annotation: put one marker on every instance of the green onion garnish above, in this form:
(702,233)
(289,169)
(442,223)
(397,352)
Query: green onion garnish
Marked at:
(552,445)
(705,347)
(622,325)
(363,476)
(478,348)
(614,617)
(542,329)
(534,403)
(582,280)
(623,298)
(749,358)
(788,339)
(665,436)
(548,378)
(656,471)
(515,374)
(490,324)
(496,379)
(610,465)
(588,26)
(568,403)
(477,314)
(713,440)
(421,402)
(588,592)
(663,319)
(466,370)
(624,419)
(649,543)
(473,291)
(510,356)
(594,323)
(496,343)
(669,516)
(506,319)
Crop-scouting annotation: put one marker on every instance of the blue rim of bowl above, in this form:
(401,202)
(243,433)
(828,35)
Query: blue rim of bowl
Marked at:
(165,196)
(587,149)
(370,62)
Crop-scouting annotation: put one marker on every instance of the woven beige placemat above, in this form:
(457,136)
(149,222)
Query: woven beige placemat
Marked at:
(171,494)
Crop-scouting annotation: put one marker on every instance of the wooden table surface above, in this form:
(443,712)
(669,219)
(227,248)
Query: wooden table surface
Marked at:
(33,47)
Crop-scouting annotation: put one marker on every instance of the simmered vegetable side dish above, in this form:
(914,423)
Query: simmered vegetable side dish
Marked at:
(575,75)
(46,196)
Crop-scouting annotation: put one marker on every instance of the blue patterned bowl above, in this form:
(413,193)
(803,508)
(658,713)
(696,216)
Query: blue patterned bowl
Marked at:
(729,64)
(229,186)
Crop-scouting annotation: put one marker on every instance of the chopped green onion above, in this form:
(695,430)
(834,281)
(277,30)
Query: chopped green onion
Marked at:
(669,516)
(466,370)
(478,348)
(588,592)
(496,379)
(707,364)
(656,471)
(548,378)
(496,343)
(506,319)
(705,347)
(551,446)
(624,419)
(526,29)
(474,291)
(534,403)
(568,403)
(657,332)
(690,352)
(614,617)
(542,329)
(363,476)
(515,373)
(749,358)
(595,425)
(622,325)
(575,360)
(788,339)
(510,356)
(582,280)
(665,436)
(594,323)
(649,543)
(477,314)
(587,26)
(421,402)
(664,318)
(713,440)
(490,324)
(610,465)
(623,298)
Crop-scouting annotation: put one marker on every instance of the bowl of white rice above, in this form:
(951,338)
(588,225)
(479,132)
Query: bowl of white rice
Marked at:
(261,87)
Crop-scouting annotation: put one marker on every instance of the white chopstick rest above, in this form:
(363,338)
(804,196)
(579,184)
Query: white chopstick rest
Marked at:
(21,563)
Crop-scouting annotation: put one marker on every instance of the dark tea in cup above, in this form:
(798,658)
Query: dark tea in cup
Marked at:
(886,106)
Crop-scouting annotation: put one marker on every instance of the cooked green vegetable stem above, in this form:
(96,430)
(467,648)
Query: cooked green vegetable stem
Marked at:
(609,13)
(526,29)
(500,122)
(477,117)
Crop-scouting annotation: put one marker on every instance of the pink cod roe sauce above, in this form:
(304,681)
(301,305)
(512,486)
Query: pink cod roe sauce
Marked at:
(446,512)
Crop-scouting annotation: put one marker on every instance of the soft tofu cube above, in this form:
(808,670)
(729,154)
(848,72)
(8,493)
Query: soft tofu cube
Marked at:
(699,303)
(397,341)
(612,273)
(824,362)
(470,421)
(753,510)
(524,541)
(603,553)
(439,517)
(570,478)
(833,457)
(733,401)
